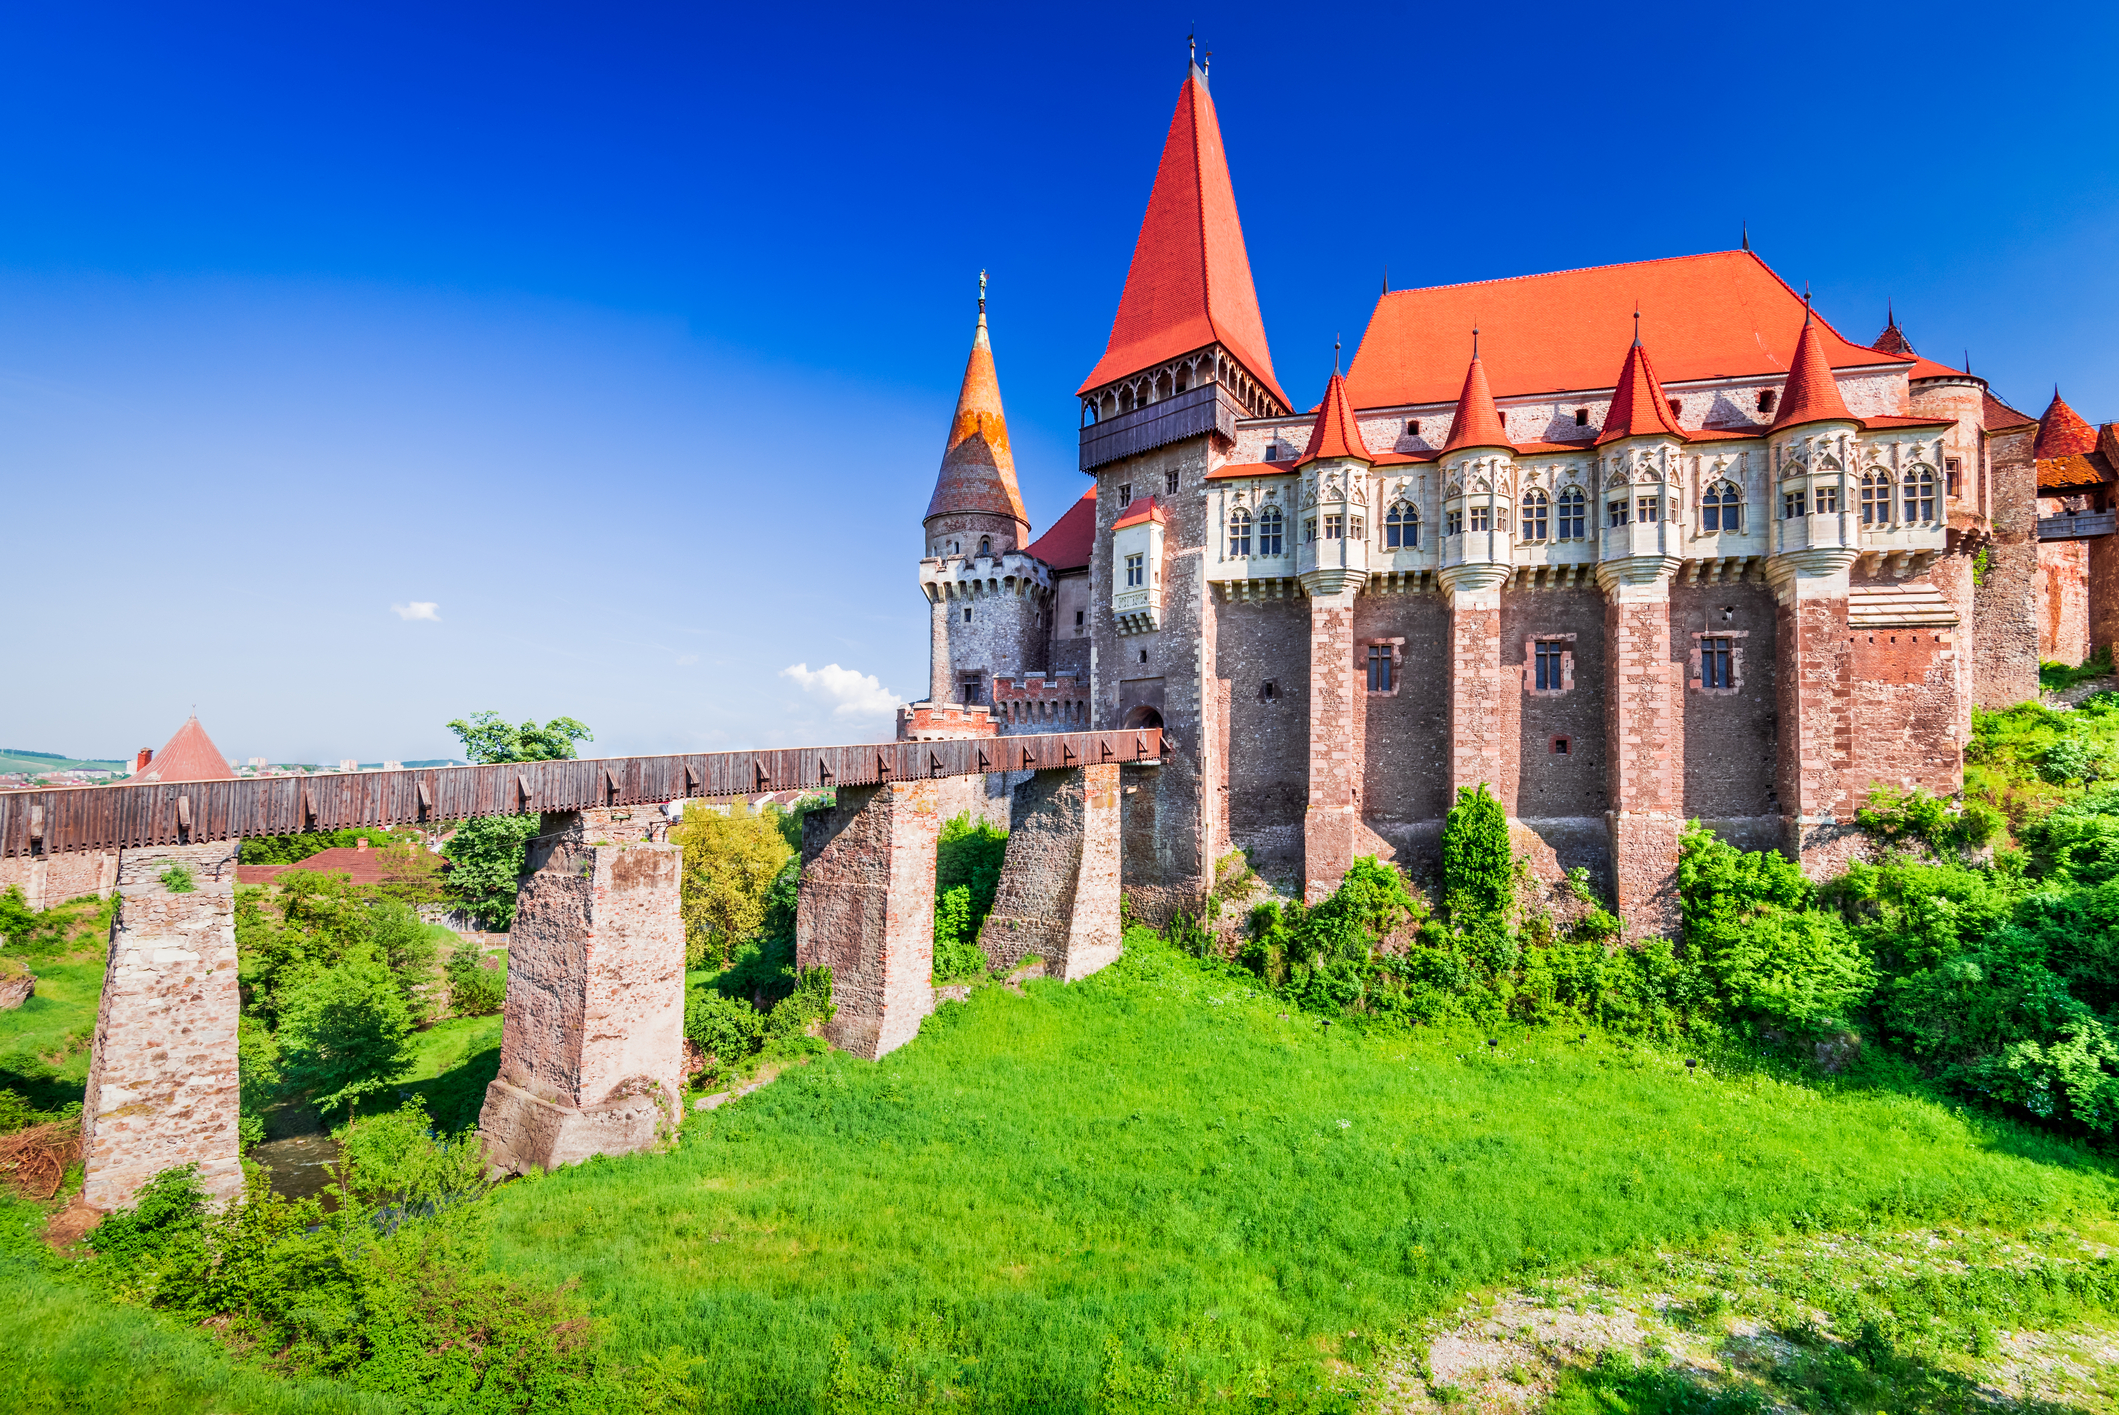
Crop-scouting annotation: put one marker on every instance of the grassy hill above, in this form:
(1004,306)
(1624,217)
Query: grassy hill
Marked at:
(13,760)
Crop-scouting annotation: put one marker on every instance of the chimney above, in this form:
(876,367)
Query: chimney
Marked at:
(139,764)
(361,844)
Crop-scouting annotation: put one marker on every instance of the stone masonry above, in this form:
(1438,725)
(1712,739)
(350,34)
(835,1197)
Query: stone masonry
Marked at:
(592,1037)
(162,1084)
(1058,894)
(1641,753)
(866,911)
(1328,826)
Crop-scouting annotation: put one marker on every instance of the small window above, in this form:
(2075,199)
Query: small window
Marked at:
(967,614)
(1676,409)
(985,545)
(1581,417)
(1482,518)
(1572,508)
(1717,663)
(1766,400)
(1649,509)
(1412,427)
(1170,483)
(1269,531)
(1134,570)
(1561,746)
(1952,467)
(1077,619)
(1535,511)
(1827,500)
(1379,668)
(1143,655)
(1356,528)
(1550,664)
(1267,691)
(974,691)
(1125,495)
(1617,511)
(1309,529)
(1792,504)
(1401,528)
(1335,528)
(1453,523)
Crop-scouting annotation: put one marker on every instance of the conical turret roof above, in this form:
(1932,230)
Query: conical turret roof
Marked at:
(978,470)
(1478,422)
(1811,394)
(188,756)
(1893,340)
(1638,407)
(1190,282)
(1335,433)
(2062,432)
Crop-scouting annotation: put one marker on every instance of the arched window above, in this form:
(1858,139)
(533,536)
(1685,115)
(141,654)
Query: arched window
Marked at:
(1535,508)
(1572,503)
(1920,496)
(1401,528)
(1239,534)
(1875,499)
(1722,508)
(1269,531)
(985,545)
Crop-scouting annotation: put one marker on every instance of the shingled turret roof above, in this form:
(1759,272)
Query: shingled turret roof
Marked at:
(1893,340)
(978,470)
(1478,422)
(188,756)
(2062,432)
(1812,393)
(1335,433)
(1638,407)
(1190,282)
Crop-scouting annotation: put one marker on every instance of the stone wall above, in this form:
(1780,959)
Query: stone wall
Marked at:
(866,911)
(162,1082)
(46,880)
(2005,615)
(1404,771)
(1058,896)
(2064,601)
(1727,769)
(1338,709)
(1644,736)
(1263,661)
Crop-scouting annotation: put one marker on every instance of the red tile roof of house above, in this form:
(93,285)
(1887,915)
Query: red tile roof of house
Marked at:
(1812,393)
(1477,422)
(1335,433)
(364,865)
(188,756)
(1998,416)
(1893,340)
(2073,471)
(1250,469)
(1190,282)
(1719,315)
(1141,511)
(2062,432)
(978,470)
(1066,543)
(1928,368)
(1638,405)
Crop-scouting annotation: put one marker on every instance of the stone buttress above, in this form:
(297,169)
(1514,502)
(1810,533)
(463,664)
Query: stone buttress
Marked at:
(1058,894)
(866,911)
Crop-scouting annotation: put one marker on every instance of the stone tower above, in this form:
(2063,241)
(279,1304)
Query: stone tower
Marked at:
(987,598)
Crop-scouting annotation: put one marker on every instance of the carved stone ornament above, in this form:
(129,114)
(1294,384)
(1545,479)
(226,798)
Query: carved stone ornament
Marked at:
(1453,489)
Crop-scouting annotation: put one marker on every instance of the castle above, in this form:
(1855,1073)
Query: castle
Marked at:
(1629,546)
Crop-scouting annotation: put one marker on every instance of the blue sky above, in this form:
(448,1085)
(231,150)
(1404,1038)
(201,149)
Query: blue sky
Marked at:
(626,336)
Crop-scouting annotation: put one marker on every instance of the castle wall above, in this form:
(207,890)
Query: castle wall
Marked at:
(2104,593)
(46,880)
(1067,650)
(1405,768)
(1266,739)
(1727,766)
(2064,601)
(2005,616)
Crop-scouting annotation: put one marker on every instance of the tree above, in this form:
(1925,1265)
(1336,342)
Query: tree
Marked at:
(345,1032)
(487,738)
(485,861)
(730,863)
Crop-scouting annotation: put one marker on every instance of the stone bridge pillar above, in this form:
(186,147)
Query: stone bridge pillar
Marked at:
(1058,894)
(866,911)
(162,1080)
(592,1036)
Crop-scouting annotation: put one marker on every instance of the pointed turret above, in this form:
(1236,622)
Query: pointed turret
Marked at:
(1335,433)
(188,756)
(1638,407)
(1811,394)
(1189,286)
(1893,340)
(2062,432)
(975,495)
(1478,422)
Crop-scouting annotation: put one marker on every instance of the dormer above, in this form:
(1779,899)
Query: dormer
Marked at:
(1137,568)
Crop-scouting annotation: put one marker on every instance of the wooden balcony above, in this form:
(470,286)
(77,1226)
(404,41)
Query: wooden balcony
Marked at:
(2081,525)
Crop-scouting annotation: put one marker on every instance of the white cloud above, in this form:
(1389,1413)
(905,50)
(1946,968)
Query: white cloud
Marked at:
(851,694)
(418,609)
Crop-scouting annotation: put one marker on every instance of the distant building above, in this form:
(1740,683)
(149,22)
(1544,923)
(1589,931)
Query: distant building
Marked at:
(188,756)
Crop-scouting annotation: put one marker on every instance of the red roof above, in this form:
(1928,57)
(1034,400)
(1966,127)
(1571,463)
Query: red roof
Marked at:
(1893,340)
(188,756)
(2062,432)
(1477,423)
(1638,407)
(1812,393)
(978,470)
(1250,469)
(2075,469)
(1142,511)
(364,865)
(1066,543)
(1997,416)
(1719,315)
(1928,368)
(1335,433)
(1190,282)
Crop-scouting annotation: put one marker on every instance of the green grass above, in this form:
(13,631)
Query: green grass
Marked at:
(458,1058)
(2058,677)
(1151,1181)
(44,1043)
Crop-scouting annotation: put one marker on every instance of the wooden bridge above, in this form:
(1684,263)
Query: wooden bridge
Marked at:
(592,1044)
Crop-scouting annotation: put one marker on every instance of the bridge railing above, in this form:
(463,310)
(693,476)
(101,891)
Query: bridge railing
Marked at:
(125,817)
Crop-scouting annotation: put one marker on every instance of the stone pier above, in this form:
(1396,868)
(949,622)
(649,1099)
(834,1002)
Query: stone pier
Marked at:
(866,911)
(592,1038)
(1643,751)
(162,1083)
(1058,893)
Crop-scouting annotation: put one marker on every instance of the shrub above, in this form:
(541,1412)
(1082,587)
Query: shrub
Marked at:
(1765,955)
(475,990)
(1945,825)
(967,874)
(486,856)
(177,879)
(345,1033)
(731,863)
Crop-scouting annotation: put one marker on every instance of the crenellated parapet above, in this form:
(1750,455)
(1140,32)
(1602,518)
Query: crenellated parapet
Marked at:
(1009,575)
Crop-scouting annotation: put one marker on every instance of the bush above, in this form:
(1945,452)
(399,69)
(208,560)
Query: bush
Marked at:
(967,875)
(1768,958)
(731,863)
(475,989)
(1946,826)
(345,1033)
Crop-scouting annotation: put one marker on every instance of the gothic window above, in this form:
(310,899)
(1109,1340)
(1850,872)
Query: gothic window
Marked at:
(1335,528)
(1134,570)
(1875,499)
(1379,668)
(1717,663)
(1650,509)
(1401,528)
(1572,504)
(1239,534)
(1827,500)
(1453,523)
(1481,518)
(1357,529)
(1617,511)
(1550,666)
(1920,497)
(1792,504)
(1722,508)
(1269,531)
(1535,508)
(1309,529)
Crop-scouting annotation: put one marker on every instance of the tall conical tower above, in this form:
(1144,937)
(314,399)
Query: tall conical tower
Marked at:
(988,598)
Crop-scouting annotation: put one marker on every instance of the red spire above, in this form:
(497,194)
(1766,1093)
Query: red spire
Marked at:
(1811,394)
(978,470)
(2062,432)
(1478,422)
(1335,433)
(1190,282)
(188,756)
(1893,340)
(1638,407)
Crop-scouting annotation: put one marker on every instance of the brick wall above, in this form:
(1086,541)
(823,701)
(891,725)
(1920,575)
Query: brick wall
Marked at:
(46,880)
(866,911)
(2104,592)
(1405,767)
(1728,762)
(1266,739)
(2064,601)
(2005,616)
(1068,650)
(1644,752)
(1815,738)
(1337,714)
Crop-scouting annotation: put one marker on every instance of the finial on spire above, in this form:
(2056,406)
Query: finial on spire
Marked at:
(1890,314)
(1475,341)
(1968,361)
(1192,46)
(1806,304)
(1636,324)
(1747,235)
(1386,277)
(982,293)
(1335,356)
